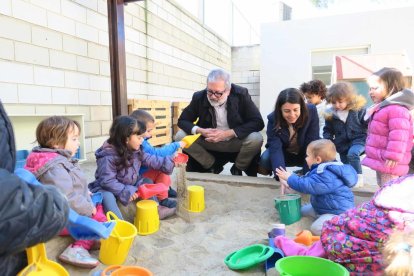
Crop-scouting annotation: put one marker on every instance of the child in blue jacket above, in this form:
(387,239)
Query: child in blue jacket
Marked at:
(328,182)
(167,150)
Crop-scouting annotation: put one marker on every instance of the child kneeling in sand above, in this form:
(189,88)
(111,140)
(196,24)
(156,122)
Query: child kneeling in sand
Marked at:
(328,182)
(355,238)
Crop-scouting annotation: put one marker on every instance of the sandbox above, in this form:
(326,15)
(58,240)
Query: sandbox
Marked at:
(237,214)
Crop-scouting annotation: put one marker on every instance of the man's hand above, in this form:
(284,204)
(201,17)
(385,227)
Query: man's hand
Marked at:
(205,132)
(218,135)
(282,173)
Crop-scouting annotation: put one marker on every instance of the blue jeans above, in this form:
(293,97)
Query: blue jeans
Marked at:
(109,203)
(291,160)
(352,157)
(109,200)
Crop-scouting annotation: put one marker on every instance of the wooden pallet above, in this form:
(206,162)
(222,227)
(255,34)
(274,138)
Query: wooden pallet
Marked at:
(161,111)
(177,110)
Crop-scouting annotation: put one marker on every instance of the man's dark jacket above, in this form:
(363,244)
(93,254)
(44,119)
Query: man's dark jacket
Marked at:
(242,114)
(28,214)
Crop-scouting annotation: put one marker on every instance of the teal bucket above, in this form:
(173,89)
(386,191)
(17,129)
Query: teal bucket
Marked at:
(309,266)
(288,207)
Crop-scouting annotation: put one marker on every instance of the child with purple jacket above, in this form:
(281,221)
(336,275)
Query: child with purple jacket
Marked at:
(119,161)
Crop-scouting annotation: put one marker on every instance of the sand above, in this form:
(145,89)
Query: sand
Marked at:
(235,216)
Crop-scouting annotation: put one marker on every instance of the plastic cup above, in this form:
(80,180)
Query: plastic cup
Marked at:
(277,230)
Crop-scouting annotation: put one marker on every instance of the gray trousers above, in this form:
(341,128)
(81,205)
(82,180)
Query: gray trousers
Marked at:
(316,227)
(247,148)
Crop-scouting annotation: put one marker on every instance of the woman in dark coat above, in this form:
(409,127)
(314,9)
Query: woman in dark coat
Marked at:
(291,127)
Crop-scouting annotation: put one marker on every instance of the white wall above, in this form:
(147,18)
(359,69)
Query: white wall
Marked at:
(287,46)
(245,69)
(54,58)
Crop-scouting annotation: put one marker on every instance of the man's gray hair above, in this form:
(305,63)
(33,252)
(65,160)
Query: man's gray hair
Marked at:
(219,74)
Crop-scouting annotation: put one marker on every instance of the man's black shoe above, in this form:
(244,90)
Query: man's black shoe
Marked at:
(235,171)
(215,169)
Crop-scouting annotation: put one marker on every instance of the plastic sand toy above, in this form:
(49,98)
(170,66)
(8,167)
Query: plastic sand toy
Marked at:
(249,256)
(39,264)
(190,139)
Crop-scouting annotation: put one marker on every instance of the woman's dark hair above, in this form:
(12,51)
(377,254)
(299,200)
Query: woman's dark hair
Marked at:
(293,96)
(121,128)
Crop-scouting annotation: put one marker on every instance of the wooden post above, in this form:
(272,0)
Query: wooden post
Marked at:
(117,57)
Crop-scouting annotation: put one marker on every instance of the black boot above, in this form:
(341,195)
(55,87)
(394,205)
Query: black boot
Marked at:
(235,171)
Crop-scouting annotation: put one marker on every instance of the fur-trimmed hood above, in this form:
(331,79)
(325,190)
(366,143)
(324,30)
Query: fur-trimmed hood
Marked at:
(358,103)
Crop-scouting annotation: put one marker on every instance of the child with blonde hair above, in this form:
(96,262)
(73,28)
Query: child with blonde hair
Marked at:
(345,124)
(328,182)
(398,254)
(52,163)
(390,131)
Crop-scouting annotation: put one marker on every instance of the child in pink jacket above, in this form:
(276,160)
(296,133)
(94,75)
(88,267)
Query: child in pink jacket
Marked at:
(52,163)
(390,129)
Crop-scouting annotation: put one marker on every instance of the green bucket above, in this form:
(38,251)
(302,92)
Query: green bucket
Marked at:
(309,266)
(288,207)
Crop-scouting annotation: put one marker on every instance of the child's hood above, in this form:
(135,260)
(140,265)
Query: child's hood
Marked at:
(105,150)
(344,172)
(41,159)
(404,97)
(397,194)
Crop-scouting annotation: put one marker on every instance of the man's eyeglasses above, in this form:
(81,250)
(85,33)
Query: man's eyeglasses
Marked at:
(216,93)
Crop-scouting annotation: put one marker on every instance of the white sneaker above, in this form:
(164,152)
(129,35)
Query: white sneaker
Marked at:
(78,256)
(360,182)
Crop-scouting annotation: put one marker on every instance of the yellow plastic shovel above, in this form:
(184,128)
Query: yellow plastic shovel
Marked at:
(190,139)
(39,264)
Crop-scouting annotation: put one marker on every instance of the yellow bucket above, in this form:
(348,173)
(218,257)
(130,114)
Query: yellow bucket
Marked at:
(147,220)
(114,249)
(195,198)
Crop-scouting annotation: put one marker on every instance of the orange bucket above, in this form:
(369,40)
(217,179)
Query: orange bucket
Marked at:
(118,270)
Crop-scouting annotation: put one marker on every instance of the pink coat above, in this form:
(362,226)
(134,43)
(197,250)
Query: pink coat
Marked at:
(390,136)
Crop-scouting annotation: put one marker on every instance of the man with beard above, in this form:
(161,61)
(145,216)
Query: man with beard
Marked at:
(229,124)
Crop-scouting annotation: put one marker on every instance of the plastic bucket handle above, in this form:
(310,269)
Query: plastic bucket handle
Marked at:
(111,216)
(110,269)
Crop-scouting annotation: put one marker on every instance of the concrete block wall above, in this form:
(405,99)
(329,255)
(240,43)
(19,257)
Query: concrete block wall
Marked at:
(245,69)
(55,58)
